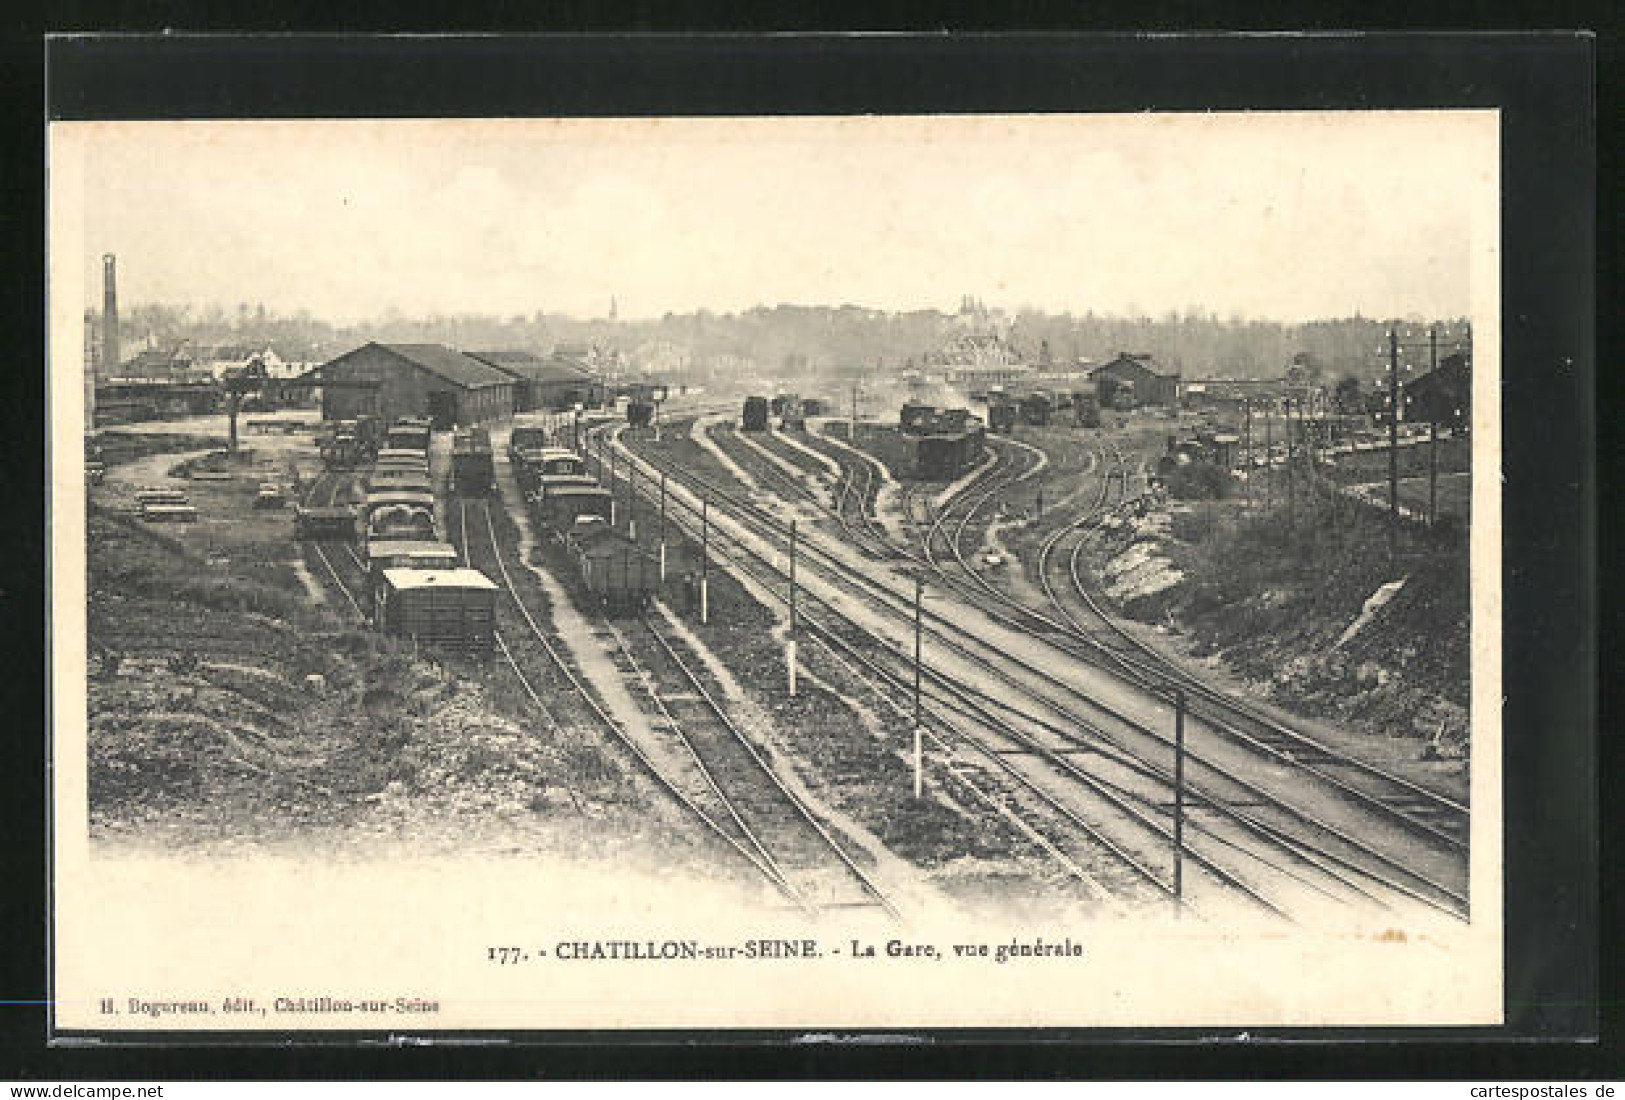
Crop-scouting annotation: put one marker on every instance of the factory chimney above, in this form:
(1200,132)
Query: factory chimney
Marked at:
(110,345)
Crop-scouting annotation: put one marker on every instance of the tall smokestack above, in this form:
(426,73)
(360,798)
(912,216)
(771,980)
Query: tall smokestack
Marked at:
(110,347)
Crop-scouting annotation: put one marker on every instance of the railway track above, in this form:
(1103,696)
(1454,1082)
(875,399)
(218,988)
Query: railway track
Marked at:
(1002,760)
(700,758)
(1422,811)
(1339,860)
(335,557)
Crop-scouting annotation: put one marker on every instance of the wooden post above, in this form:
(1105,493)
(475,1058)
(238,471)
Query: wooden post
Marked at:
(919,755)
(1393,448)
(1269,455)
(1433,471)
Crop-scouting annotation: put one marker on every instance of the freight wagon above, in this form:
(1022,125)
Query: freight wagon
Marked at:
(324,523)
(1001,417)
(397,522)
(525,438)
(639,413)
(408,435)
(445,608)
(755,416)
(557,507)
(1086,410)
(619,576)
(1036,409)
(397,480)
(405,554)
(473,472)
(793,414)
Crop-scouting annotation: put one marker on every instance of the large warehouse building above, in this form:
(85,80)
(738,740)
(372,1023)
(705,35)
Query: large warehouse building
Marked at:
(391,381)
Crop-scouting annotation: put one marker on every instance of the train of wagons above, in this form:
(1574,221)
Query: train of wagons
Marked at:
(418,585)
(1038,408)
(567,505)
(942,444)
(791,409)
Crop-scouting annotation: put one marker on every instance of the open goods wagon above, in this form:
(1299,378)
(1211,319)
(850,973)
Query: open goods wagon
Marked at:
(619,576)
(526,437)
(1036,408)
(446,608)
(562,501)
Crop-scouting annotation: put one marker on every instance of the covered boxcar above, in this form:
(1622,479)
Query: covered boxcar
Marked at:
(639,413)
(446,608)
(401,523)
(385,554)
(793,414)
(755,415)
(386,497)
(614,570)
(324,523)
(1086,410)
(473,471)
(1001,417)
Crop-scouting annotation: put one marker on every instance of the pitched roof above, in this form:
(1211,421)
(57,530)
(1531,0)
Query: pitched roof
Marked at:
(524,364)
(1142,360)
(453,366)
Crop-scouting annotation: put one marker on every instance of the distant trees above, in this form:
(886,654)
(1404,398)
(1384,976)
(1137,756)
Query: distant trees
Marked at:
(809,340)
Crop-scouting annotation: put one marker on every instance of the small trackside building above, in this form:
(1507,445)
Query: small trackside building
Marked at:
(393,381)
(1135,374)
(1443,396)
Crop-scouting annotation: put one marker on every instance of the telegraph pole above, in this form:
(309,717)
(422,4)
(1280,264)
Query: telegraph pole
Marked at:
(790,641)
(1291,456)
(705,560)
(1433,431)
(1247,450)
(1269,454)
(1393,448)
(631,500)
(662,526)
(852,436)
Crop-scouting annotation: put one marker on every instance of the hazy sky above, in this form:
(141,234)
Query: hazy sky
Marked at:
(1286,216)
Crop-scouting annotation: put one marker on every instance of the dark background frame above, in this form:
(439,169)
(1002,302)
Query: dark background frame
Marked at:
(1544,86)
